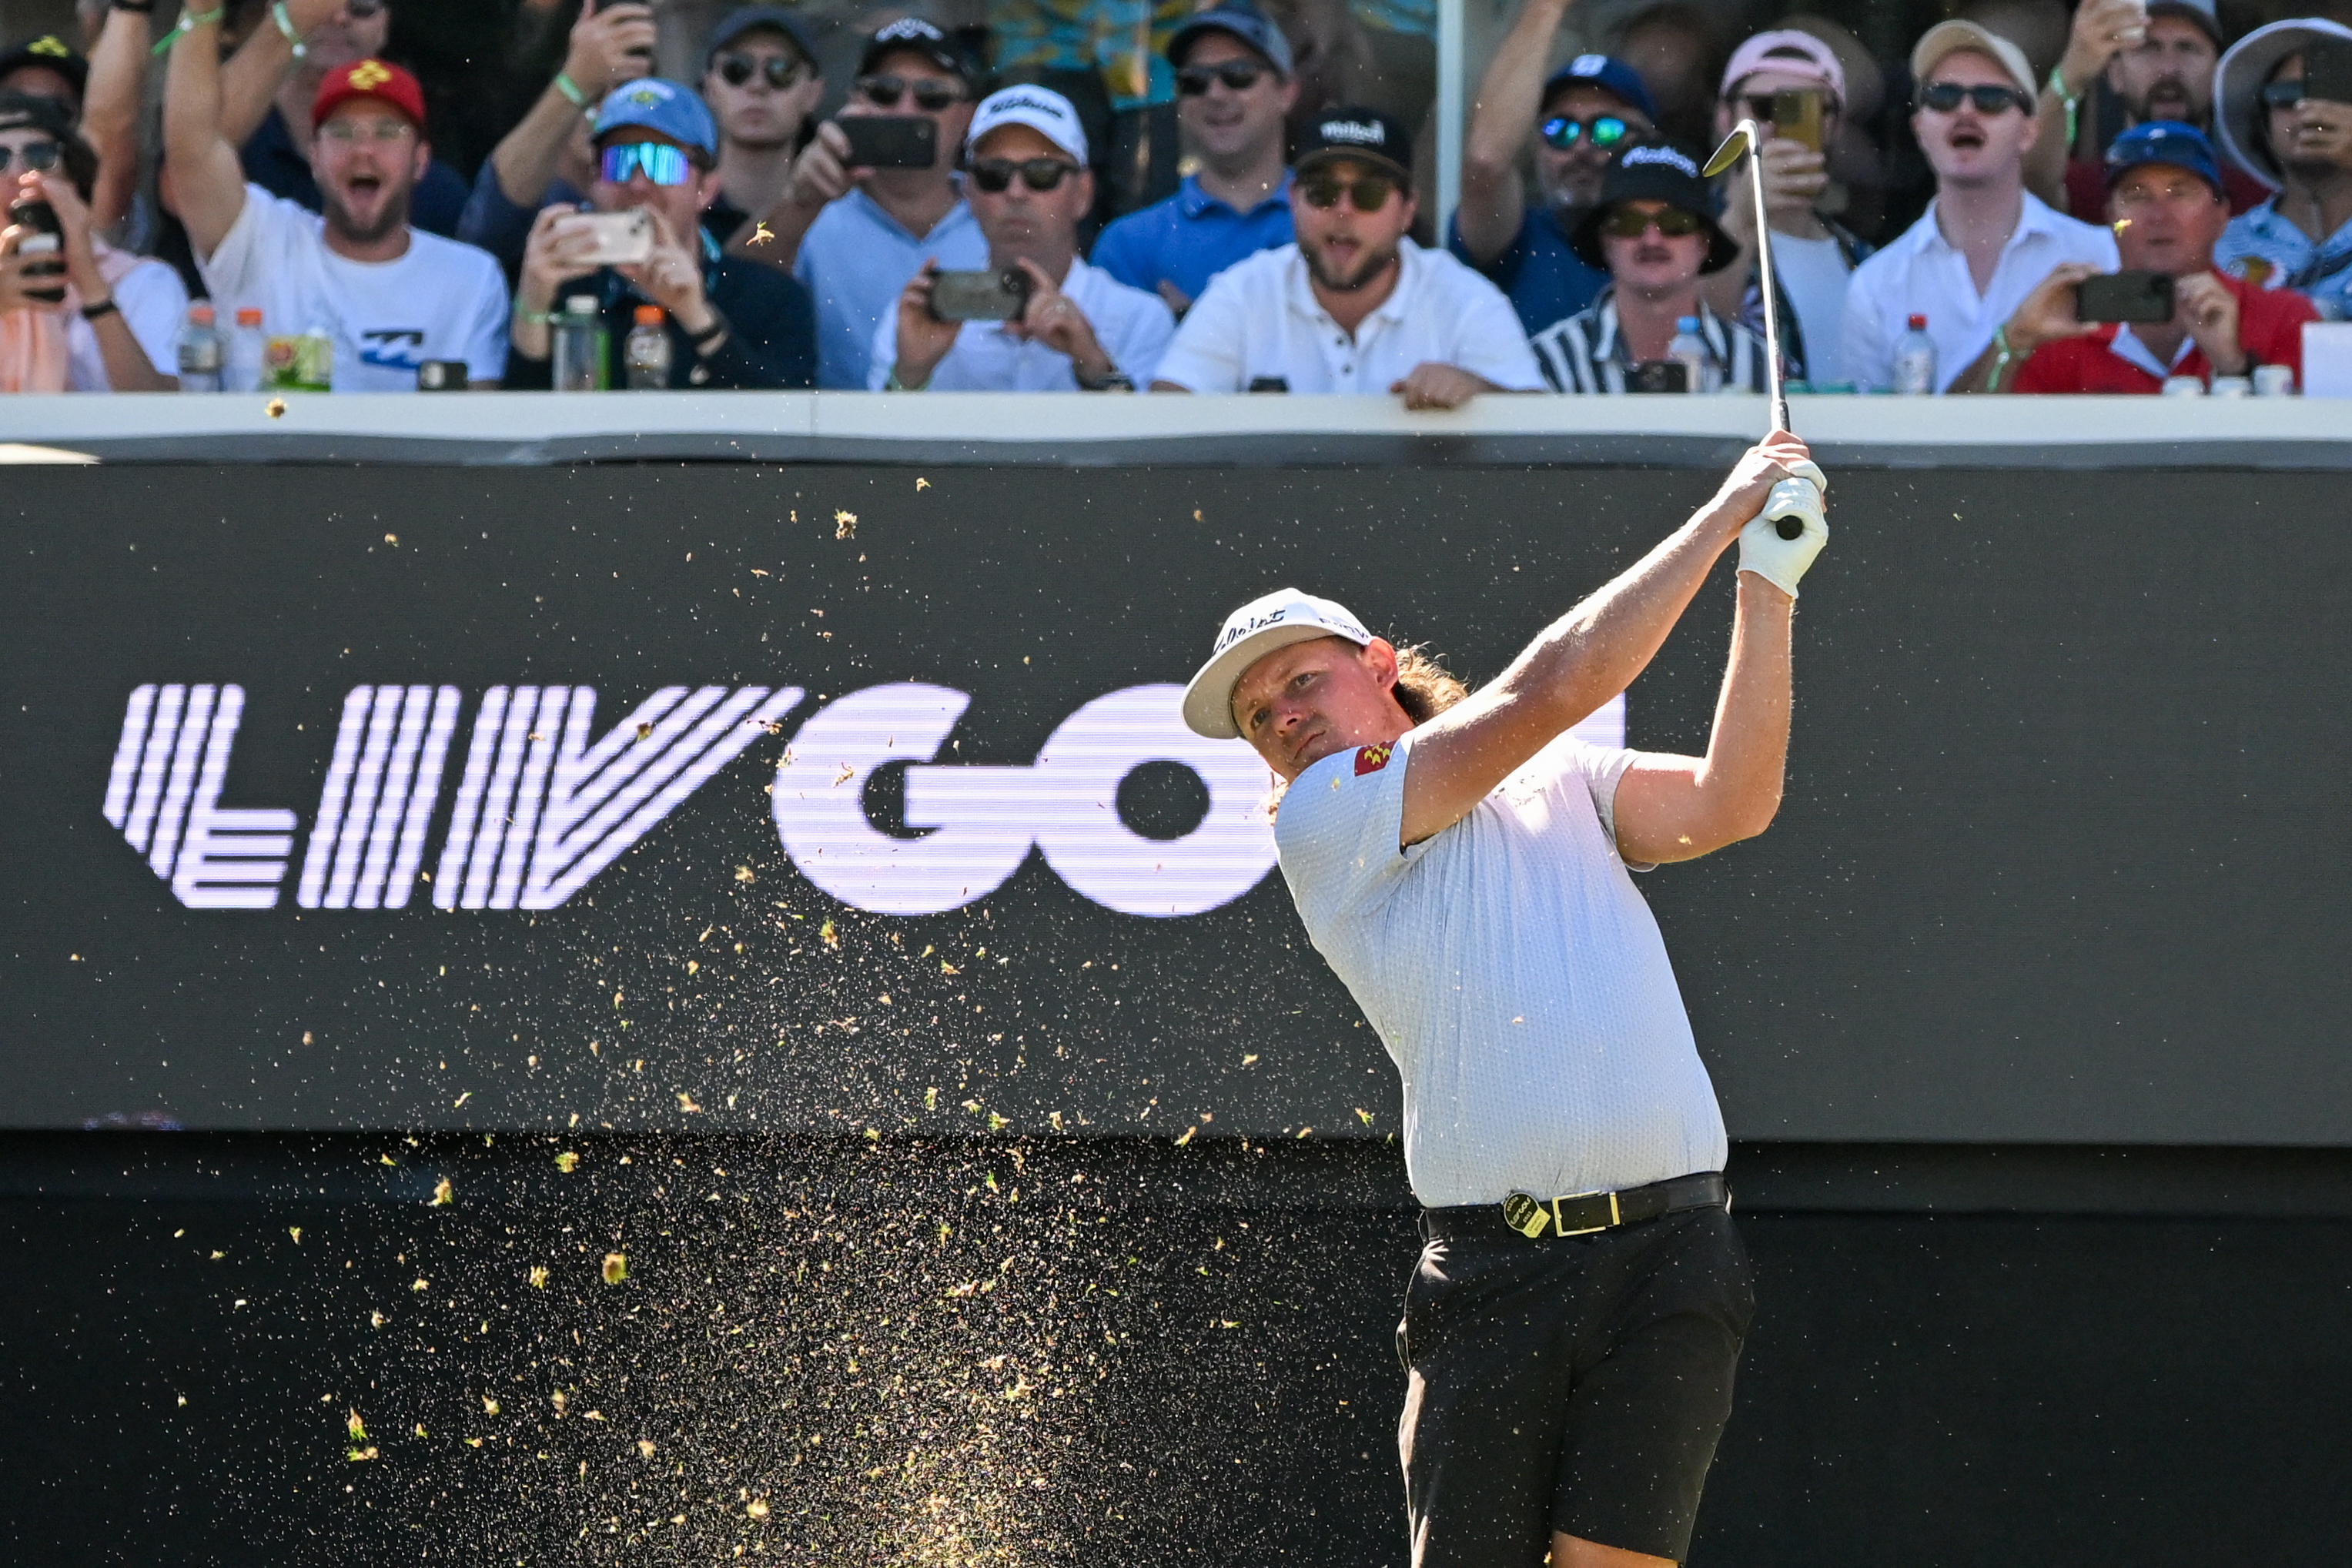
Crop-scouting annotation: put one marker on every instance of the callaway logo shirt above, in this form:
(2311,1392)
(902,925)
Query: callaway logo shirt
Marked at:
(1515,975)
(441,300)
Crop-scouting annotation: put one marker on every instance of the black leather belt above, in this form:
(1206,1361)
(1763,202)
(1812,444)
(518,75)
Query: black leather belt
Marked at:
(1578,1213)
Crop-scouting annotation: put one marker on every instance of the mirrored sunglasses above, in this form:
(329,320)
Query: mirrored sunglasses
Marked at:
(661,164)
(1602,131)
(1630,223)
(736,69)
(40,156)
(1239,76)
(1944,97)
(1366,192)
(932,95)
(996,174)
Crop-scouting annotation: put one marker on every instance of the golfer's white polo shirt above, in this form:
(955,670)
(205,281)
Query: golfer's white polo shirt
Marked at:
(1924,274)
(1259,320)
(1514,973)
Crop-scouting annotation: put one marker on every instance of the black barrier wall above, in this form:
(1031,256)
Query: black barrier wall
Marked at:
(2061,858)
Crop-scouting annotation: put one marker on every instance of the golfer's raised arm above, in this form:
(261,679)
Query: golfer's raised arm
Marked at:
(1586,657)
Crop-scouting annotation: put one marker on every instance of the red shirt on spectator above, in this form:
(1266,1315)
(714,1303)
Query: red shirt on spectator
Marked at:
(2270,331)
(2087,189)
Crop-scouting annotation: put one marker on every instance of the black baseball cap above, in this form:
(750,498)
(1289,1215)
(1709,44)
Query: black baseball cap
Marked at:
(1358,132)
(750,19)
(51,53)
(1654,174)
(1239,20)
(919,37)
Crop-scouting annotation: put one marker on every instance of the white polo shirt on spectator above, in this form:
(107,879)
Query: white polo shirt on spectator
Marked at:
(1259,320)
(853,261)
(439,300)
(1132,327)
(1924,274)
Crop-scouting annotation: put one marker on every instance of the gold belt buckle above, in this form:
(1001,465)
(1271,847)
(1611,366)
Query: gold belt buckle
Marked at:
(1560,1224)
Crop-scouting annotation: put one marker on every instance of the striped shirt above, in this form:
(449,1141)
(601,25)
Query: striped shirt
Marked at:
(1587,353)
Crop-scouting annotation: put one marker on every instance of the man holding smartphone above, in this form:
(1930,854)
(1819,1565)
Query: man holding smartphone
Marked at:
(2168,204)
(732,324)
(1063,325)
(853,232)
(2287,119)
(1793,84)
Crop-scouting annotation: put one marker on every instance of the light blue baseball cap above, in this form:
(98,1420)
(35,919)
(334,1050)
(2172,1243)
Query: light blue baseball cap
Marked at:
(653,104)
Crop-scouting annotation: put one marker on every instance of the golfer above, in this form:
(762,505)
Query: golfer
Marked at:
(1572,1329)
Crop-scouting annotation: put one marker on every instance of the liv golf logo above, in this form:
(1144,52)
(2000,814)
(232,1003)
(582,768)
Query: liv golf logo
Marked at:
(542,802)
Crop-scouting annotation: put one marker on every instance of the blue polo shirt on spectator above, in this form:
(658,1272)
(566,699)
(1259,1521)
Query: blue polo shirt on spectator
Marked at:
(1545,280)
(855,260)
(2322,271)
(1191,238)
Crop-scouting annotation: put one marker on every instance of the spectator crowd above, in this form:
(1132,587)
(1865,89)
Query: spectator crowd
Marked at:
(1173,198)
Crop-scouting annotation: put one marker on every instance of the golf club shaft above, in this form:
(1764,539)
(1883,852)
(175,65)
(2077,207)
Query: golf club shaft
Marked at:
(1755,134)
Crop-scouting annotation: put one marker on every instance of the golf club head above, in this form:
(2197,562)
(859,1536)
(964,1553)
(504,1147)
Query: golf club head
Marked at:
(1744,136)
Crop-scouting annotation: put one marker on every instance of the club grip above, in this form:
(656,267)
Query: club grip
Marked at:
(1793,503)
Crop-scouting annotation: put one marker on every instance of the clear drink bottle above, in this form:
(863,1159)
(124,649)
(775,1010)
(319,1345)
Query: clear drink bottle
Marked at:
(1915,359)
(241,366)
(199,351)
(644,356)
(577,339)
(1687,349)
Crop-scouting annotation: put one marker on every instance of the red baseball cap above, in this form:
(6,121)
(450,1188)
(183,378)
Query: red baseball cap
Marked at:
(370,79)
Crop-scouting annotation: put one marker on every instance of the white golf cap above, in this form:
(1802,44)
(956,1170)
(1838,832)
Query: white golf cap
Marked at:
(1041,108)
(1278,620)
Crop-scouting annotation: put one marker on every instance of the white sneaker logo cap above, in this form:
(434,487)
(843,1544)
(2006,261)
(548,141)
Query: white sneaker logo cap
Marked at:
(1277,621)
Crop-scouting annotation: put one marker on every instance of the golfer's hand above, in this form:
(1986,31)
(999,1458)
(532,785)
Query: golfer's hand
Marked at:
(2205,305)
(1432,386)
(1765,548)
(1762,466)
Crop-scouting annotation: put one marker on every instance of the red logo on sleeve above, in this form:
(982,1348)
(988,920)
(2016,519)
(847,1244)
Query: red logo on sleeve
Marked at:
(1372,759)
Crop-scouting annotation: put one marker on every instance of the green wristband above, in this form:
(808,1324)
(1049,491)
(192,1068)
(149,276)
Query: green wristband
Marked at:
(189,21)
(570,89)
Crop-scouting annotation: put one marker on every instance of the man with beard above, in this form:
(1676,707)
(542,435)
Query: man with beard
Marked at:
(1027,178)
(1353,306)
(1233,93)
(2300,238)
(1986,241)
(1581,116)
(2158,59)
(269,86)
(388,296)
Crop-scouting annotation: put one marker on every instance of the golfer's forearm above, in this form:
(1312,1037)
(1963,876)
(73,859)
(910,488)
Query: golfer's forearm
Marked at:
(1747,750)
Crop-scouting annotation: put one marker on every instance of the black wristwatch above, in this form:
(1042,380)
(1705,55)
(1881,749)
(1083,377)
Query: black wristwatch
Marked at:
(707,338)
(1115,379)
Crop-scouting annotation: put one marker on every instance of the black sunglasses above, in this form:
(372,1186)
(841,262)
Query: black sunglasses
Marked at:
(1240,76)
(1944,97)
(2284,93)
(996,174)
(735,69)
(1367,192)
(1603,131)
(932,95)
(1630,223)
(40,156)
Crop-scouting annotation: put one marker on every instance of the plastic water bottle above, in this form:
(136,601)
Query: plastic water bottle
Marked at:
(241,365)
(199,349)
(578,337)
(645,355)
(1915,359)
(1688,350)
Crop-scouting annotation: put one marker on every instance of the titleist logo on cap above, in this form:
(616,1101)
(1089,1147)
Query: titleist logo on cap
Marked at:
(1364,133)
(1017,99)
(1241,629)
(1636,157)
(910,27)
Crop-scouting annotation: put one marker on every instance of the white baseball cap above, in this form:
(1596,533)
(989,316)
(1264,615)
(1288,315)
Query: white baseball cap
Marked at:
(1039,108)
(1277,621)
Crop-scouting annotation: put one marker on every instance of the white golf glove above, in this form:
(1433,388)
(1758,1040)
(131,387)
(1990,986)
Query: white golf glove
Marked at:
(1763,552)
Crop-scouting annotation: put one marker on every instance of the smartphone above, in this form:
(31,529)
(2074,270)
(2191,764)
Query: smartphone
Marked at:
(1659,375)
(2125,296)
(441,375)
(2327,70)
(46,241)
(988,296)
(620,239)
(890,140)
(1268,384)
(1797,115)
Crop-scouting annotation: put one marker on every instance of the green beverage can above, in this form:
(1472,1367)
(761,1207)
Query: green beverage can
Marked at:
(299,363)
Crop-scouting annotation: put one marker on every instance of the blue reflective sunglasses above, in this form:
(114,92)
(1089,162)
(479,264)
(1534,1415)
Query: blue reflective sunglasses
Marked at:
(663,164)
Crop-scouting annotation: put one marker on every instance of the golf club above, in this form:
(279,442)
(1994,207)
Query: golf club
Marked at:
(1794,499)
